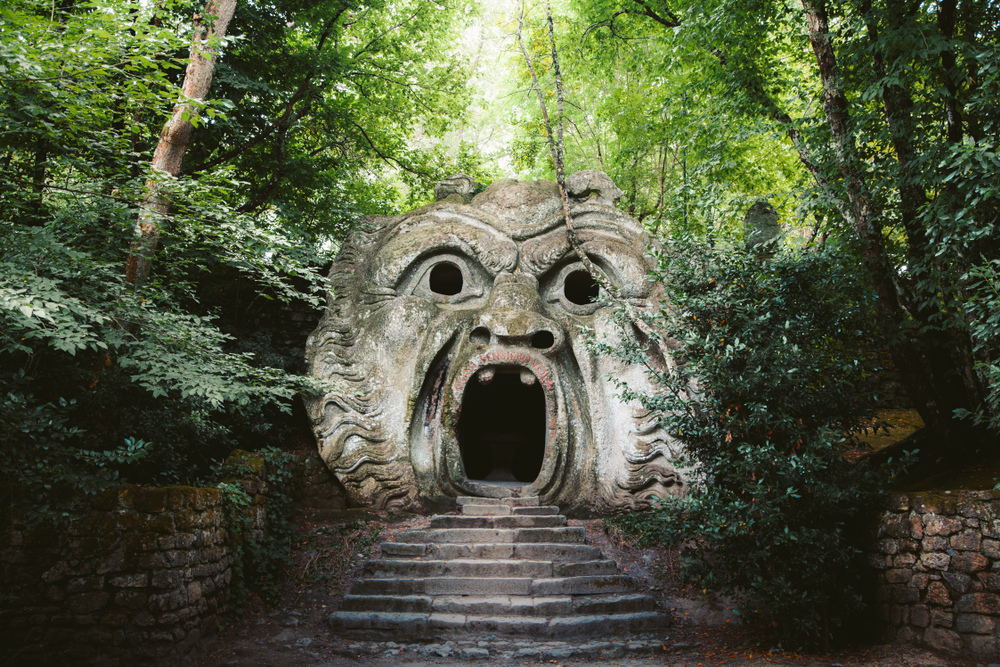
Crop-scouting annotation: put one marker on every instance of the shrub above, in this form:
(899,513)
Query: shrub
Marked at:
(771,365)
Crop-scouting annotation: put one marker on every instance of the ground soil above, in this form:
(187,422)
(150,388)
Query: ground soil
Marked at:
(332,547)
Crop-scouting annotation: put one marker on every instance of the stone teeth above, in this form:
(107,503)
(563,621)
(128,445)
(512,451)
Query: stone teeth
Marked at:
(527,377)
(485,376)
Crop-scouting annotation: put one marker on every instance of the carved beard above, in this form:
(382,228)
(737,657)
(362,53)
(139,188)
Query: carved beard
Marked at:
(453,339)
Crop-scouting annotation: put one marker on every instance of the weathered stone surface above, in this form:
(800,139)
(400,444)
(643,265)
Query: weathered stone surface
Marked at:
(942,618)
(440,315)
(140,559)
(900,576)
(934,543)
(979,645)
(943,639)
(967,540)
(935,561)
(991,549)
(935,524)
(975,623)
(920,616)
(938,594)
(979,603)
(956,581)
(969,562)
(761,226)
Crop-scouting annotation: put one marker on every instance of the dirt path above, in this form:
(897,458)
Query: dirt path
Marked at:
(333,547)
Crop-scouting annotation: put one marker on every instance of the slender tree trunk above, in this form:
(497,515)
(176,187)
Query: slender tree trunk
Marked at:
(556,140)
(168,157)
(38,170)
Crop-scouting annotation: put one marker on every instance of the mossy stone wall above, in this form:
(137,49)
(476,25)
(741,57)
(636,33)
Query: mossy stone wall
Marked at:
(938,556)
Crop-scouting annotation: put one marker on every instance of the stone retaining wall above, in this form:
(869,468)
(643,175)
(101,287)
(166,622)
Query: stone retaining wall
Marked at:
(143,576)
(939,582)
(313,485)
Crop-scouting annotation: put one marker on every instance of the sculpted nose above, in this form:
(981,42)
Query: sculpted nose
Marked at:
(513,316)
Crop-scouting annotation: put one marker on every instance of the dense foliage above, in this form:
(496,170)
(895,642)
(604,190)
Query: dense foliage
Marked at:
(771,366)
(103,383)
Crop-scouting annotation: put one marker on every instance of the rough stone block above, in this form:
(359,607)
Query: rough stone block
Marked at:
(935,561)
(975,623)
(967,540)
(980,646)
(919,580)
(573,534)
(131,599)
(895,525)
(473,586)
(969,562)
(507,625)
(83,584)
(87,603)
(899,576)
(166,579)
(485,605)
(942,639)
(937,594)
(471,654)
(112,563)
(991,549)
(920,615)
(934,543)
(979,603)
(990,581)
(935,524)
(899,615)
(956,581)
(888,546)
(942,618)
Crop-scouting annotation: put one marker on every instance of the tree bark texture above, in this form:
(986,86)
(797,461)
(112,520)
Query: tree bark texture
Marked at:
(210,27)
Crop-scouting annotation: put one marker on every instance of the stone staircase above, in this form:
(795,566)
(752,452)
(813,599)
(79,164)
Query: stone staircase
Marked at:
(506,567)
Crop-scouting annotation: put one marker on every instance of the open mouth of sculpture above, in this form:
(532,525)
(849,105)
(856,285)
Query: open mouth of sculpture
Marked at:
(502,427)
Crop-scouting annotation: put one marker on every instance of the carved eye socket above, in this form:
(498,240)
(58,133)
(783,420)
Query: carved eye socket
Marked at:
(448,279)
(581,288)
(573,289)
(445,279)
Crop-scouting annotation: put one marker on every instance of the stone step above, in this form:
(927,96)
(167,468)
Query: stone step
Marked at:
(502,605)
(530,501)
(452,585)
(517,521)
(584,585)
(460,567)
(506,510)
(567,534)
(485,567)
(530,551)
(419,625)
(504,566)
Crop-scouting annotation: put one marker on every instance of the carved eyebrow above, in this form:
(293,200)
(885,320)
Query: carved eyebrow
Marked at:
(415,238)
(615,255)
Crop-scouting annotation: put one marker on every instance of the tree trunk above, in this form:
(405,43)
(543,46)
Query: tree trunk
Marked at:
(932,360)
(168,157)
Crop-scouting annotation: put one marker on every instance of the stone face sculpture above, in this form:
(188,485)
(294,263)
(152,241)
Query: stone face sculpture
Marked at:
(453,342)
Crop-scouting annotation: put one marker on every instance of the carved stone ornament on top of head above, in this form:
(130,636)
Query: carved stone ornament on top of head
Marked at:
(454,345)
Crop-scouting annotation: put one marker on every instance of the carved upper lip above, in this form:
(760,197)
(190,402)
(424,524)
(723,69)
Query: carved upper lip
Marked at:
(498,357)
